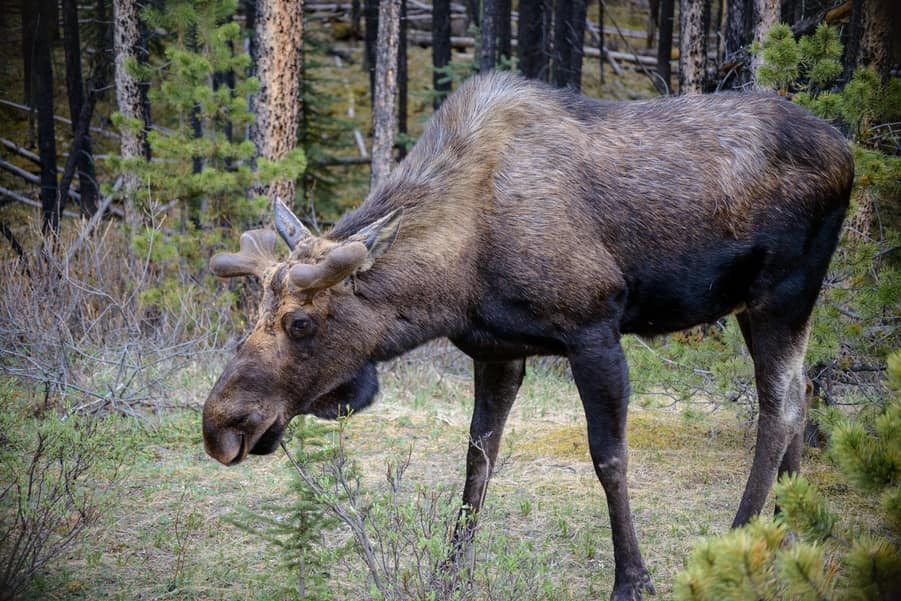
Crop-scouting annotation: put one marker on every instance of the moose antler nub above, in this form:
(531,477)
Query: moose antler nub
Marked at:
(339,263)
(256,255)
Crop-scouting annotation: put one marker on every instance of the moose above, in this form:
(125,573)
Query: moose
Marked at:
(534,221)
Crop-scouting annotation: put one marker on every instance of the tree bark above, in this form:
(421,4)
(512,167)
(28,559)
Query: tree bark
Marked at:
(75,89)
(384,113)
(441,49)
(133,144)
(869,38)
(653,22)
(737,40)
(693,18)
(279,45)
(371,16)
(532,46)
(601,40)
(766,15)
(37,16)
(402,77)
(569,34)
(488,50)
(504,26)
(665,47)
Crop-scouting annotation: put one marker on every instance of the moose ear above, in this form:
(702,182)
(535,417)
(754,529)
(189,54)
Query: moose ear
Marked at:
(379,235)
(288,225)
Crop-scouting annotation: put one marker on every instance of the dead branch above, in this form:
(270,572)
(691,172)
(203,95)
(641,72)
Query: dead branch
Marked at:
(31,203)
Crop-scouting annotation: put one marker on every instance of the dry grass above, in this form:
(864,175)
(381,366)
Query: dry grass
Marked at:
(686,476)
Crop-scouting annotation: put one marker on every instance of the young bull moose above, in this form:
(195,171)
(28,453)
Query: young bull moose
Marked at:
(532,221)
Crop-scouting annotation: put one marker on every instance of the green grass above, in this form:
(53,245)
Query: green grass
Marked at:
(686,475)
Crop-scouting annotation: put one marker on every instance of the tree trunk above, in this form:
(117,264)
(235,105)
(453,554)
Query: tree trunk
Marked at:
(402,78)
(665,47)
(532,40)
(37,16)
(126,41)
(384,113)
(371,16)
(504,27)
(693,45)
(766,15)
(569,34)
(488,50)
(869,38)
(472,13)
(441,49)
(75,91)
(355,19)
(601,40)
(28,51)
(279,42)
(653,22)
(736,42)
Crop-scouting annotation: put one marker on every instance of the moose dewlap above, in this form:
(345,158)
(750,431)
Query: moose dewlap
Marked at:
(528,221)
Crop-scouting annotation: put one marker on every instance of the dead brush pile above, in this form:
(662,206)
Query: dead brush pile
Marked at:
(84,322)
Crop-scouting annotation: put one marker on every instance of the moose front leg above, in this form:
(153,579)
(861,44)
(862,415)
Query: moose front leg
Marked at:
(602,377)
(496,385)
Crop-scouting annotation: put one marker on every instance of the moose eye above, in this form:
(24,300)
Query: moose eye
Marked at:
(298,325)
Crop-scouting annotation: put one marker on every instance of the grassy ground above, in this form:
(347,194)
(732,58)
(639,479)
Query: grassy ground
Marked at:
(686,475)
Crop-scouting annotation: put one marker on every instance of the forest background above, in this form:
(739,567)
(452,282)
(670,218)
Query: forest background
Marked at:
(139,138)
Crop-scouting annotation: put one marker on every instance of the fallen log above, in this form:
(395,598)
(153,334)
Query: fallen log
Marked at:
(31,203)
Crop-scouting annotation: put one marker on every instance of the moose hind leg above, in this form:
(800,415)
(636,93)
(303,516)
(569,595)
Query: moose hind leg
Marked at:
(602,377)
(496,385)
(778,351)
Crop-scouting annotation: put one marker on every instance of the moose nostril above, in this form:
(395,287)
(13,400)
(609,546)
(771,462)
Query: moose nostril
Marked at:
(237,458)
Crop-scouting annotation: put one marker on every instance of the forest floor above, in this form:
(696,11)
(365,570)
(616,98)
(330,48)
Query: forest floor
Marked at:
(167,533)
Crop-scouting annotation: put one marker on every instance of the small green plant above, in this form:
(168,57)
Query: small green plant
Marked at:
(298,529)
(807,551)
(50,467)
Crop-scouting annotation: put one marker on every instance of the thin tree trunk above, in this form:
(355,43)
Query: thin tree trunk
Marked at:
(665,47)
(75,91)
(279,46)
(441,49)
(28,50)
(693,45)
(488,50)
(371,10)
(736,41)
(38,15)
(126,40)
(82,123)
(601,40)
(504,27)
(870,37)
(532,46)
(569,37)
(766,15)
(355,19)
(653,22)
(402,77)
(472,13)
(384,114)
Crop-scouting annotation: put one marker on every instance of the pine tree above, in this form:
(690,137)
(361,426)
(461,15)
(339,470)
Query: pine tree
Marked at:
(199,119)
(296,529)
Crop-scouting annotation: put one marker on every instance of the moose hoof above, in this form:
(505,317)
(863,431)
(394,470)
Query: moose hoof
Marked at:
(633,590)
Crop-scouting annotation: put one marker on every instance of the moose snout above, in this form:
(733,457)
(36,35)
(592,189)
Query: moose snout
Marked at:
(225,445)
(229,440)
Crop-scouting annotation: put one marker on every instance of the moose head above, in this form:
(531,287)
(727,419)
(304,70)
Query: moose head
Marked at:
(311,346)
